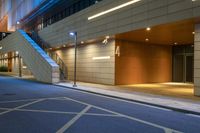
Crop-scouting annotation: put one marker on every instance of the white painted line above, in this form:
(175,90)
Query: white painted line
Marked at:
(5,108)
(46,111)
(167,130)
(193,115)
(63,112)
(107,115)
(73,120)
(118,99)
(5,112)
(17,101)
(24,100)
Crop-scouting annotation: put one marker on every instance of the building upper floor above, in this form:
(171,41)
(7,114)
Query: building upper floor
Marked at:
(37,14)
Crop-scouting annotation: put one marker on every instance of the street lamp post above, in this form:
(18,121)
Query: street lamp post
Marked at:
(74,34)
(17,26)
(19,57)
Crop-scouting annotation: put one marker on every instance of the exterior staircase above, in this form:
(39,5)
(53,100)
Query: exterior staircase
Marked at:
(46,47)
(39,63)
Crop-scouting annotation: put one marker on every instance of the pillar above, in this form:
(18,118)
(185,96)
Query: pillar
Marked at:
(197,60)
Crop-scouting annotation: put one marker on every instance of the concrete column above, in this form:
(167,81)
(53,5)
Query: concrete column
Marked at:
(197,60)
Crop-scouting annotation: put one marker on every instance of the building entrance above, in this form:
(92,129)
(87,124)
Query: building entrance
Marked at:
(183,57)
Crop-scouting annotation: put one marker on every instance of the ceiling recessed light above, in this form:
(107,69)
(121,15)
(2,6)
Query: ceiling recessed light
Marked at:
(148,28)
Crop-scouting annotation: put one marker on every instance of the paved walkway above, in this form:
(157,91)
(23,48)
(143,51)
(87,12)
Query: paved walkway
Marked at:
(140,93)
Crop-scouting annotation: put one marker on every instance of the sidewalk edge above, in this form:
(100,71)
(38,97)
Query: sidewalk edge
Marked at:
(132,100)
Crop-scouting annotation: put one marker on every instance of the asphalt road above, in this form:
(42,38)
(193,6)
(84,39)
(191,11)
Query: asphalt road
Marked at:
(32,107)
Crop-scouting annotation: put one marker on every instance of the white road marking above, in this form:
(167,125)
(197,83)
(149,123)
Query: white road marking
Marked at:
(73,120)
(167,130)
(5,112)
(117,99)
(24,100)
(193,115)
(60,112)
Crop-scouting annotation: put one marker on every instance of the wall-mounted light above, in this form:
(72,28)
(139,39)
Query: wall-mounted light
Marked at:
(113,9)
(101,58)
(105,41)
(147,39)
(1,47)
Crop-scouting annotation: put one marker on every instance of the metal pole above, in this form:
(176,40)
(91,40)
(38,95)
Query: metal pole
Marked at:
(20,66)
(75,58)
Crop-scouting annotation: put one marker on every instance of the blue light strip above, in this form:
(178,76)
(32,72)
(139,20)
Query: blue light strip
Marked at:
(42,9)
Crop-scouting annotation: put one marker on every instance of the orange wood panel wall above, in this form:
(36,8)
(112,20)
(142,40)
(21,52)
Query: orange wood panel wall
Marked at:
(10,61)
(4,24)
(142,63)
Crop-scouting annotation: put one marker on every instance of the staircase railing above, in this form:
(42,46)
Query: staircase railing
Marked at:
(45,46)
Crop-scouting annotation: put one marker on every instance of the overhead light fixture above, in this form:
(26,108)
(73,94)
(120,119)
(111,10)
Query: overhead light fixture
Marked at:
(193,32)
(82,42)
(107,37)
(16,52)
(101,58)
(175,43)
(147,39)
(64,45)
(113,9)
(148,28)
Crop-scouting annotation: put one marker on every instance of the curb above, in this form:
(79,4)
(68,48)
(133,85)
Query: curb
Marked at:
(136,101)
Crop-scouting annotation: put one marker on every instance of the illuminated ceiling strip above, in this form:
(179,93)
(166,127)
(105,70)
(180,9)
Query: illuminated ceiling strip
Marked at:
(101,58)
(113,9)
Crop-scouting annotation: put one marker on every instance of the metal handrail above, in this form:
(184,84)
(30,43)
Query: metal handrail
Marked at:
(45,46)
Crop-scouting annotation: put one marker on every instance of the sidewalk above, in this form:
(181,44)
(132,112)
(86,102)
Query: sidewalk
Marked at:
(187,105)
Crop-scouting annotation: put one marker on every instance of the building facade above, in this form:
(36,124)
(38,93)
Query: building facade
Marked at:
(119,41)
